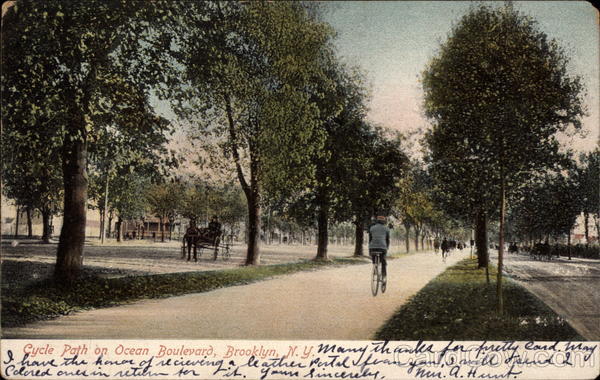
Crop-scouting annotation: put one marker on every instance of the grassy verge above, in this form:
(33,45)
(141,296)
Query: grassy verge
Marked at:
(459,305)
(45,300)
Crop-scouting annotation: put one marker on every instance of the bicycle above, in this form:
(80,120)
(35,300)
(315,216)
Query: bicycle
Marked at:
(378,278)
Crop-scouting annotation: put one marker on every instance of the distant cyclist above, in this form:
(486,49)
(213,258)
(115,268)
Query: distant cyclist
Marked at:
(379,241)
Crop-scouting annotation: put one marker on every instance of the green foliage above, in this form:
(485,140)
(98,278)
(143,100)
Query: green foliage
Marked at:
(248,66)
(31,173)
(201,201)
(587,177)
(77,81)
(498,91)
(252,75)
(459,305)
(47,300)
(128,196)
(548,206)
(165,200)
(414,204)
(82,77)
(366,180)
(357,169)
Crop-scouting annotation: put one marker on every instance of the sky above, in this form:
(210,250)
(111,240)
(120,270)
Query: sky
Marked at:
(392,41)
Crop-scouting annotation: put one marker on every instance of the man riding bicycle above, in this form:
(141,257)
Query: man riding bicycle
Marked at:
(379,241)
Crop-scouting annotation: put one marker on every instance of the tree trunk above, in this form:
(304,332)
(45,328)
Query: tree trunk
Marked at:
(499,294)
(252,190)
(569,244)
(417,232)
(69,256)
(269,230)
(162,229)
(101,230)
(597,223)
(481,239)
(253,252)
(46,235)
(110,218)
(105,207)
(586,224)
(406,237)
(118,228)
(17,222)
(323,240)
(29,223)
(359,236)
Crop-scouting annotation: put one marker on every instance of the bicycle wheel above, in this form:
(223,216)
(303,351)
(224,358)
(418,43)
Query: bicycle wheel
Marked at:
(383,277)
(375,276)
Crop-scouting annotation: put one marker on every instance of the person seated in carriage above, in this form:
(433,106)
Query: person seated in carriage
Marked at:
(214,228)
(191,238)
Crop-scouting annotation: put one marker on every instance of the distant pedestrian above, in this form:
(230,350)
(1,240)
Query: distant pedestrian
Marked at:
(191,239)
(436,245)
(445,249)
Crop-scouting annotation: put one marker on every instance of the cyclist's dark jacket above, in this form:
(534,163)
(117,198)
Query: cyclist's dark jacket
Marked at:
(379,236)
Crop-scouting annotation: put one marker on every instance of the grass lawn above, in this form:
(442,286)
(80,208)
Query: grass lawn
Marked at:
(460,305)
(45,300)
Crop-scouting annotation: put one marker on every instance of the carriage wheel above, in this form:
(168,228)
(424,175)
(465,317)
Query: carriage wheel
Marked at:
(226,254)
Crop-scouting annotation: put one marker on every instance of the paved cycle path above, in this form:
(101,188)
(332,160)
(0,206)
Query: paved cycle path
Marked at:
(331,303)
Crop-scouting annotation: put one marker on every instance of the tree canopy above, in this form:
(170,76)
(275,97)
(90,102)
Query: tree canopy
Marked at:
(497,92)
(77,70)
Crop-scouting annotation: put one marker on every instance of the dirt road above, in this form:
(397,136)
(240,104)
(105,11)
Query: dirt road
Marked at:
(332,303)
(571,288)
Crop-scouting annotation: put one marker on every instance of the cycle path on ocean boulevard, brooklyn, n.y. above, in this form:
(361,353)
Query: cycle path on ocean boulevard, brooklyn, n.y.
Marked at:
(331,303)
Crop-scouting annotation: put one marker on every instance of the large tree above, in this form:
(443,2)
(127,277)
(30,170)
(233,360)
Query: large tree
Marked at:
(128,197)
(368,182)
(497,93)
(547,207)
(250,68)
(341,120)
(587,176)
(165,200)
(31,173)
(414,205)
(79,65)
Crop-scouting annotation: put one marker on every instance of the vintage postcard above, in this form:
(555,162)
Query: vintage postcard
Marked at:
(300,190)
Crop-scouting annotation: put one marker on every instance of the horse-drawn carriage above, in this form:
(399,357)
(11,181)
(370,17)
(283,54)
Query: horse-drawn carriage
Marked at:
(198,239)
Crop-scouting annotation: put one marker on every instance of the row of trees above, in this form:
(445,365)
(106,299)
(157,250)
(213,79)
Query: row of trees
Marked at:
(549,204)
(257,82)
(498,93)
